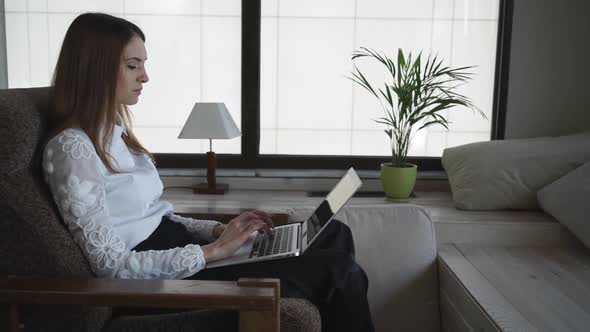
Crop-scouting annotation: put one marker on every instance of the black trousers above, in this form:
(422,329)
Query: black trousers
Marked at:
(326,274)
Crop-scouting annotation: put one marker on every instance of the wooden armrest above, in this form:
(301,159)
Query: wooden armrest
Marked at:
(256,299)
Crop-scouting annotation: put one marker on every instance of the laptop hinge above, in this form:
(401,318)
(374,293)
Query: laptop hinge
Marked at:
(303,236)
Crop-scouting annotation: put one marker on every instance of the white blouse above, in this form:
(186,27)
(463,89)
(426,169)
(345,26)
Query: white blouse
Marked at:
(108,214)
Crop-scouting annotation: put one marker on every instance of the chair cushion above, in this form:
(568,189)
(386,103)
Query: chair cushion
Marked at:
(567,200)
(297,315)
(507,174)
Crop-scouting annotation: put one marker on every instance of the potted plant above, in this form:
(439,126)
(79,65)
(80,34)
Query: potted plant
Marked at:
(412,98)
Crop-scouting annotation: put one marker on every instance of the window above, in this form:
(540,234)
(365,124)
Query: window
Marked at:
(193,55)
(309,107)
(280,66)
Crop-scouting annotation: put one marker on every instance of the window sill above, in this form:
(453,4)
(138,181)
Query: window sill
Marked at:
(283,179)
(286,173)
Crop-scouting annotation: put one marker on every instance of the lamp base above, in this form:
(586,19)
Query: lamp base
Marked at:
(218,189)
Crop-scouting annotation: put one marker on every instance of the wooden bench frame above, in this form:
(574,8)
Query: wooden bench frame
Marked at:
(257,300)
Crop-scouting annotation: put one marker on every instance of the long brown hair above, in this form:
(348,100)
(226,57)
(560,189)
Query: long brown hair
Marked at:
(84,83)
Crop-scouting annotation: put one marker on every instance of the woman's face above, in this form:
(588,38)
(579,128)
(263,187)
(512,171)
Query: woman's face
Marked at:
(132,72)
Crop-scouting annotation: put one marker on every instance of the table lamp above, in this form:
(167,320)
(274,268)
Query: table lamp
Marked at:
(210,121)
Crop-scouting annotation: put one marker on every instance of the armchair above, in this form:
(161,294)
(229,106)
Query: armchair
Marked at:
(46,284)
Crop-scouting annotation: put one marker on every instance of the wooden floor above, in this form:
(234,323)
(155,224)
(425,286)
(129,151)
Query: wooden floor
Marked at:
(518,289)
(503,228)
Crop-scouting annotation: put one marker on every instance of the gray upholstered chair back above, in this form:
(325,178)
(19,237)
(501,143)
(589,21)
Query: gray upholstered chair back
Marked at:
(33,239)
(31,232)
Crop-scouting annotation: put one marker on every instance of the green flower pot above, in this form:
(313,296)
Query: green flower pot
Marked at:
(398,182)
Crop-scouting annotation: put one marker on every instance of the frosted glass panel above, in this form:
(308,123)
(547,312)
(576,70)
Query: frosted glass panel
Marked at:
(158,7)
(268,73)
(302,97)
(80,6)
(369,143)
(37,5)
(194,54)
(328,142)
(395,8)
(221,42)
(222,7)
(474,43)
(324,8)
(172,65)
(17,50)
(474,9)
(269,8)
(305,61)
(38,36)
(268,140)
(443,8)
(58,25)
(15,5)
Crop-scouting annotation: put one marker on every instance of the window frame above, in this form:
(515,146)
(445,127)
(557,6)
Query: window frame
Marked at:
(250,157)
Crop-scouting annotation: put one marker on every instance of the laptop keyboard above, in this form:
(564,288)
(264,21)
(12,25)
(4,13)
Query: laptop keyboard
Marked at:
(278,242)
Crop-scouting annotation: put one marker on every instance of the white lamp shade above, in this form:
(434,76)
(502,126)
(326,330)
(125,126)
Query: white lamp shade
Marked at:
(209,120)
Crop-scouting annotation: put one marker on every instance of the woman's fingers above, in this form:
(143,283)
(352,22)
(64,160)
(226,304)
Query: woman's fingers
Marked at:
(264,216)
(256,214)
(258,225)
(245,222)
(246,218)
(237,232)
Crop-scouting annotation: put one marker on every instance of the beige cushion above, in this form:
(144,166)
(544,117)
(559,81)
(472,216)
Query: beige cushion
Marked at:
(568,200)
(395,245)
(507,174)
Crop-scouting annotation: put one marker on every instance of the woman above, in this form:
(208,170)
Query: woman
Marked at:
(108,191)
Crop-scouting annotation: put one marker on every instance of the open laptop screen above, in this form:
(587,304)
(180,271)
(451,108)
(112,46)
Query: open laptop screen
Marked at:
(335,200)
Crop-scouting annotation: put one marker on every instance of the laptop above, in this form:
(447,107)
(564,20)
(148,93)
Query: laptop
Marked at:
(294,238)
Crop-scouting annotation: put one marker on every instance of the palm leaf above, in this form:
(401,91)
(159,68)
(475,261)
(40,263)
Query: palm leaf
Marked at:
(416,95)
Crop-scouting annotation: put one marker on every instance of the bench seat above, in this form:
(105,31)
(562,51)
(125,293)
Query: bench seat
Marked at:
(514,288)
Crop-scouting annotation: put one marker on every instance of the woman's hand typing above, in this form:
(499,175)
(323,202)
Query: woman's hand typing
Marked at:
(235,233)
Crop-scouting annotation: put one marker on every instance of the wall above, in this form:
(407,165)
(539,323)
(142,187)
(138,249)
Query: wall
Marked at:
(548,90)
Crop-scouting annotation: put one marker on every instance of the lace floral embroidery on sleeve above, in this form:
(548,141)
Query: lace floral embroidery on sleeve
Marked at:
(189,259)
(202,228)
(143,267)
(76,145)
(77,197)
(103,245)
